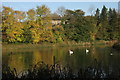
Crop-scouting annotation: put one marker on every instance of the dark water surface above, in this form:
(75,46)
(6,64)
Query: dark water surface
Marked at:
(23,59)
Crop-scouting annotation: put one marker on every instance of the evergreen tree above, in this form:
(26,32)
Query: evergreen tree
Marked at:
(102,31)
(114,25)
(97,17)
(113,22)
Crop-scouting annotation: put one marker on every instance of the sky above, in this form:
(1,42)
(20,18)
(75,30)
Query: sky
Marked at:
(60,0)
(85,6)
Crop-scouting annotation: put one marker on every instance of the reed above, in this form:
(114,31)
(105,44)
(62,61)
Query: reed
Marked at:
(42,71)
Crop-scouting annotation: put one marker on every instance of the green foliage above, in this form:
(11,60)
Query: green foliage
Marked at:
(113,25)
(79,27)
(92,27)
(31,15)
(12,27)
(108,28)
(58,33)
(27,34)
(14,32)
(35,25)
(104,25)
(74,24)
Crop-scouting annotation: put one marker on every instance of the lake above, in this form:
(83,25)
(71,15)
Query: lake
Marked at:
(23,59)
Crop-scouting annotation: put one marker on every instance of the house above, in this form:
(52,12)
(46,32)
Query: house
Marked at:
(56,20)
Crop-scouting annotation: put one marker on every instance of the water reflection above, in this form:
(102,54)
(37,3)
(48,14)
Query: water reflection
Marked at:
(22,60)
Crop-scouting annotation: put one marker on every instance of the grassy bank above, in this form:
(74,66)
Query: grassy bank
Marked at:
(47,45)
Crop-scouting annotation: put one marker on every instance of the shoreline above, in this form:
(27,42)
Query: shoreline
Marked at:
(48,45)
(57,72)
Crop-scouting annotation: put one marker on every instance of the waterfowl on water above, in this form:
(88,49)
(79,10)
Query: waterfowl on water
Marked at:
(70,52)
(111,54)
(87,50)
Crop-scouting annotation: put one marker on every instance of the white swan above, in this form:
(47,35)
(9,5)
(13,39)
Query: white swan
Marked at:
(87,50)
(70,52)
(111,54)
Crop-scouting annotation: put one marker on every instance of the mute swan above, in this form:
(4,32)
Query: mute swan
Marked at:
(70,52)
(87,50)
(111,54)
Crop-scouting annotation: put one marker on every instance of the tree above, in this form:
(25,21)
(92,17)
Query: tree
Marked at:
(103,15)
(55,16)
(92,27)
(12,25)
(110,13)
(31,15)
(102,31)
(114,24)
(35,25)
(61,11)
(91,10)
(19,16)
(42,27)
(7,21)
(14,32)
(58,32)
(27,34)
(76,27)
(97,17)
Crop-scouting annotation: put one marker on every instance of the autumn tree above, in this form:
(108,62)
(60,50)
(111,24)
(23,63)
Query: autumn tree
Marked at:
(7,19)
(27,25)
(35,25)
(31,15)
(42,28)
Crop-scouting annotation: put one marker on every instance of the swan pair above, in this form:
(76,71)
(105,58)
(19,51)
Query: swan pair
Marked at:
(71,52)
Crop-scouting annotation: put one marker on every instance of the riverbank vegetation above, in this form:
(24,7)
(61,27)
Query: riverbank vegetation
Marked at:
(116,45)
(44,71)
(53,45)
(37,26)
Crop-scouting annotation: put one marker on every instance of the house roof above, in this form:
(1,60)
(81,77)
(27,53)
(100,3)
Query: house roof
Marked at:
(56,17)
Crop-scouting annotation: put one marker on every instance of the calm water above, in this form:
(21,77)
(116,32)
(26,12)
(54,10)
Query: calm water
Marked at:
(23,59)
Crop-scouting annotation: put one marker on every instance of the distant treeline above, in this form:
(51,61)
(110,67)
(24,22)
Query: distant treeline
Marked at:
(35,25)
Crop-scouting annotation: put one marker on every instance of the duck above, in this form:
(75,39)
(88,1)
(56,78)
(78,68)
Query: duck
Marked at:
(70,52)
